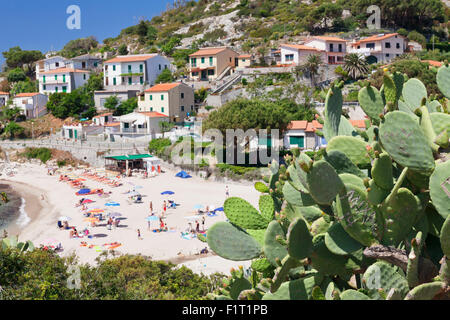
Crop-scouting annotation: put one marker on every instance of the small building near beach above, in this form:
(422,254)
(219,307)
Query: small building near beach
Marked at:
(33,105)
(302,134)
(4,96)
(124,162)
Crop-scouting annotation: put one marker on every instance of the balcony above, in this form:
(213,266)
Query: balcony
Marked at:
(135,130)
(53,81)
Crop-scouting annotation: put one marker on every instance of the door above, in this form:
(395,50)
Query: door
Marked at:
(76,134)
(70,133)
(204,74)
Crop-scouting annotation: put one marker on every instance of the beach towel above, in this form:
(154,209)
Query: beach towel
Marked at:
(183,175)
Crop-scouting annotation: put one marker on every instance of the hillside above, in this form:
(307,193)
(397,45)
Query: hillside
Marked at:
(254,26)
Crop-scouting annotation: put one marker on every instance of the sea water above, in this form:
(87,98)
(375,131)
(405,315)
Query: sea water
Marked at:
(13,212)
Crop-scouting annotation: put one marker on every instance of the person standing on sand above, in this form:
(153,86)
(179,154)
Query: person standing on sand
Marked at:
(139,234)
(151,208)
(227,192)
(203,223)
(197,228)
(165,207)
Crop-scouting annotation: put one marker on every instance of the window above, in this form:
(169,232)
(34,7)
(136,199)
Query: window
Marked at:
(182,108)
(151,108)
(340,47)
(210,72)
(162,97)
(289,57)
(114,67)
(141,68)
(129,68)
(57,64)
(114,81)
(56,89)
(398,45)
(165,66)
(64,89)
(84,76)
(195,74)
(44,79)
(142,98)
(151,97)
(192,108)
(370,45)
(162,109)
(211,61)
(388,45)
(130,80)
(83,65)
(159,67)
(194,62)
(331,47)
(95,64)
(64,78)
(182,95)
(56,77)
(44,87)
(230,59)
(299,141)
(203,59)
(142,80)
(243,60)
(387,55)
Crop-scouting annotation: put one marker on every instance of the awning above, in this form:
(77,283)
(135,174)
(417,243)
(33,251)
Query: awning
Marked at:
(130,157)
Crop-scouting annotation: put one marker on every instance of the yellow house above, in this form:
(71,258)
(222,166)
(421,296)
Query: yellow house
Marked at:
(209,63)
(245,60)
(174,100)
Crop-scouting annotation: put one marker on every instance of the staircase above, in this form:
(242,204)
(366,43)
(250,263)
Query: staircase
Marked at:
(228,83)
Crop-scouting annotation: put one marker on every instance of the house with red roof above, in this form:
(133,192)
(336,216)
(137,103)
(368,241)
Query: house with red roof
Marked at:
(175,100)
(33,105)
(381,47)
(133,72)
(302,134)
(141,124)
(208,64)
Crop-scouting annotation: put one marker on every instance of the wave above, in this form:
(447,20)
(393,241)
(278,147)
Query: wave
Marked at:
(23,218)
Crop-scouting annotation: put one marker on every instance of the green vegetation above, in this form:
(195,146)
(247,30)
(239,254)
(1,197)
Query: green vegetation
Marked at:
(42,154)
(355,223)
(165,77)
(79,47)
(157,146)
(42,274)
(12,130)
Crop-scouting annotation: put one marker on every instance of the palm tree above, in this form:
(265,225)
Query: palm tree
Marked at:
(312,66)
(356,65)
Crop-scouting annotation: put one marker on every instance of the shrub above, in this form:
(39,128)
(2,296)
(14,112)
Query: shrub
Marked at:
(42,154)
(157,146)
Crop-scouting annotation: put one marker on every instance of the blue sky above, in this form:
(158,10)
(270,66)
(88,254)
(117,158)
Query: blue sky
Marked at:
(41,25)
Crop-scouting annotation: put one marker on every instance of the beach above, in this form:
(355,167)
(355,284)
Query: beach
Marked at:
(47,199)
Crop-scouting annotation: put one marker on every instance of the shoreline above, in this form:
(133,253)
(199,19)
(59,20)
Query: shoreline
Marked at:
(31,209)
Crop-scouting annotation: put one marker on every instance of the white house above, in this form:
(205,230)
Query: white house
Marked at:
(62,80)
(87,62)
(302,134)
(333,48)
(380,48)
(142,123)
(52,63)
(134,72)
(100,97)
(297,53)
(33,105)
(103,119)
(4,96)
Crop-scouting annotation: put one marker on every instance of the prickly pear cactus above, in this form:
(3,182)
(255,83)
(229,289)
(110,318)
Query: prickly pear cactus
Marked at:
(368,219)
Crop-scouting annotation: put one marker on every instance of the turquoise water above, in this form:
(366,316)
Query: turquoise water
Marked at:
(9,212)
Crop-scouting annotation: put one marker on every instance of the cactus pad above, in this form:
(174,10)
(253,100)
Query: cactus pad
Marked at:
(267,207)
(355,149)
(342,164)
(405,142)
(381,275)
(375,194)
(440,121)
(445,237)
(310,214)
(299,240)
(390,90)
(371,102)
(443,80)
(272,248)
(413,93)
(358,217)
(295,197)
(261,265)
(440,189)
(426,291)
(333,112)
(382,172)
(300,289)
(339,242)
(261,187)
(324,183)
(351,179)
(243,214)
(353,295)
(232,243)
(298,178)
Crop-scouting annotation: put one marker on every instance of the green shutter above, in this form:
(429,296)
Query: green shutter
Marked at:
(129,80)
(64,78)
(56,77)
(114,81)
(151,97)
(299,141)
(129,68)
(141,68)
(64,89)
(114,67)
(162,97)
(211,61)
(142,80)
(203,59)
(44,79)
(56,89)
(162,109)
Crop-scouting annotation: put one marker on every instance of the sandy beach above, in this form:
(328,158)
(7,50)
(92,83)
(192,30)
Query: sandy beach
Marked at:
(47,199)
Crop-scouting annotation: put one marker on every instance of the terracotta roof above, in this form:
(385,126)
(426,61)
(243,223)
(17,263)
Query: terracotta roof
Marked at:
(133,58)
(112,124)
(300,47)
(245,56)
(317,124)
(154,114)
(330,38)
(378,37)
(163,87)
(298,125)
(104,115)
(65,70)
(361,124)
(208,51)
(433,63)
(27,95)
(3,93)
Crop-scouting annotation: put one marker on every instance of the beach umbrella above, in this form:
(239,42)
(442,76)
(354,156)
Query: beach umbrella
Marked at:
(219,209)
(97,211)
(87,201)
(152,218)
(64,219)
(198,206)
(112,204)
(91,220)
(168,193)
(114,215)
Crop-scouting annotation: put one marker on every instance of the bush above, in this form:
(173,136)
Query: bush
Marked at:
(42,154)
(157,146)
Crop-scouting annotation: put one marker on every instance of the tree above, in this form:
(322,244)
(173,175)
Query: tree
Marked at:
(74,104)
(23,87)
(111,103)
(79,47)
(123,50)
(165,77)
(165,127)
(18,58)
(356,65)
(13,130)
(418,37)
(311,67)
(126,107)
(16,75)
